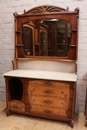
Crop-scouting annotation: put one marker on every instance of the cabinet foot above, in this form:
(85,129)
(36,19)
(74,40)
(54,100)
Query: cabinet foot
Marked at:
(71,124)
(8,113)
(86,123)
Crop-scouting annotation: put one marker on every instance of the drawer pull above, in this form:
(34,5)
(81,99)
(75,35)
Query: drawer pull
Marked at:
(47,102)
(47,112)
(47,83)
(47,91)
(15,107)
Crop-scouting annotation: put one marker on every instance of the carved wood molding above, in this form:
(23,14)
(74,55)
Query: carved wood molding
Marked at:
(45,9)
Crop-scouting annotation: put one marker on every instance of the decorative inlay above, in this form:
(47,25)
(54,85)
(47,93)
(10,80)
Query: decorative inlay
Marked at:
(31,91)
(65,95)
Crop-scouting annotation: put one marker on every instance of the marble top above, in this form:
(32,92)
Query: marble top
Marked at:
(38,74)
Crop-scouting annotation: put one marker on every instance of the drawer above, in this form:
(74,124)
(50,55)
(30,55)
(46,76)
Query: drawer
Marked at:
(48,111)
(16,106)
(43,82)
(47,82)
(59,89)
(49,102)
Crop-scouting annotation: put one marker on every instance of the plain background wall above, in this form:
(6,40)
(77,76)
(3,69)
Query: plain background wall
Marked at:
(8,7)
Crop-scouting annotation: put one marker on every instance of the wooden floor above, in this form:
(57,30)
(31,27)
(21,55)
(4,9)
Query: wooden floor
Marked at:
(20,122)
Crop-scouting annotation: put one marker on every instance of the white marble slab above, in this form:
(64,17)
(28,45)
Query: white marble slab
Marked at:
(38,74)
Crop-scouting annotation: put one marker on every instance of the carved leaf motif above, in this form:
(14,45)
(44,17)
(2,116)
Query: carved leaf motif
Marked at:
(53,9)
(36,11)
(31,91)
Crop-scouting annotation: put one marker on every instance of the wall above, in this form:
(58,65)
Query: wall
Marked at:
(8,7)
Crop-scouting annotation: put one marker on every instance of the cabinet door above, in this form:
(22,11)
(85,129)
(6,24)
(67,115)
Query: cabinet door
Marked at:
(27,40)
(43,43)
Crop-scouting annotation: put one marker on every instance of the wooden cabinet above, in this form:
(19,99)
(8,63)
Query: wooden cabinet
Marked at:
(43,80)
(42,98)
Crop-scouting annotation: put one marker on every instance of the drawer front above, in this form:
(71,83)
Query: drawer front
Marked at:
(48,111)
(42,82)
(47,82)
(49,102)
(16,106)
(49,97)
(56,89)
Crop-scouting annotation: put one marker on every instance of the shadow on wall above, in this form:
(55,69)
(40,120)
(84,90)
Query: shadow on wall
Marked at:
(81,94)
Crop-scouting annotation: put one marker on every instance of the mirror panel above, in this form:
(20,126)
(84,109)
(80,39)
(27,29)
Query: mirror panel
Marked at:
(49,37)
(47,32)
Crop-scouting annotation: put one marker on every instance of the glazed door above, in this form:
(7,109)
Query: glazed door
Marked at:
(43,43)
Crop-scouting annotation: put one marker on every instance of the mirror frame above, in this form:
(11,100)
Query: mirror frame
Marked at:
(47,12)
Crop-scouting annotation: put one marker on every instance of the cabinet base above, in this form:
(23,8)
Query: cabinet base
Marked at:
(71,124)
(8,112)
(86,123)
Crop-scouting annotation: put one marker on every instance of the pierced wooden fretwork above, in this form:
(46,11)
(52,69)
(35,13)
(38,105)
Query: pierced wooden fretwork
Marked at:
(44,9)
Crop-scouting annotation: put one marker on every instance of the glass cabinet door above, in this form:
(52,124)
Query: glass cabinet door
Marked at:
(63,37)
(43,44)
(27,40)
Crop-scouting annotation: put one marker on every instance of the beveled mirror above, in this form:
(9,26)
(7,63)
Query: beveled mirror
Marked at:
(48,32)
(54,38)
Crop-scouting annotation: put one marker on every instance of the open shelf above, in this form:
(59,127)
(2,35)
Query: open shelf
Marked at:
(15,89)
(18,31)
(19,45)
(74,30)
(72,45)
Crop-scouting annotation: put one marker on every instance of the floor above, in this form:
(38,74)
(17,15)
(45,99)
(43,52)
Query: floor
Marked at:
(20,122)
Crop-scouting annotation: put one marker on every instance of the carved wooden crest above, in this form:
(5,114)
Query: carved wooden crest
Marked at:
(45,9)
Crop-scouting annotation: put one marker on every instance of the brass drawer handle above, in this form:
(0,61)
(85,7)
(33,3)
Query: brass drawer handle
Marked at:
(15,107)
(47,102)
(47,83)
(47,112)
(47,91)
